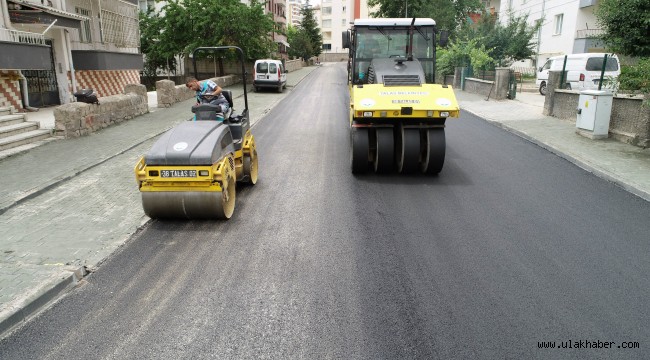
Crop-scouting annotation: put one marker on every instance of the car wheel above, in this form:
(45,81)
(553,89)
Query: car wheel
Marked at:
(542,88)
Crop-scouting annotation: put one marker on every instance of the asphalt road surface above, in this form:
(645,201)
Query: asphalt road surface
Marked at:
(508,247)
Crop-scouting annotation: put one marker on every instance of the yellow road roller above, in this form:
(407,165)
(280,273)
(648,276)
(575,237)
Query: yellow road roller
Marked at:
(191,171)
(397,112)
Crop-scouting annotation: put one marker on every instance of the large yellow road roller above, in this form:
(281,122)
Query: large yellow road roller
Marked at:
(192,170)
(397,112)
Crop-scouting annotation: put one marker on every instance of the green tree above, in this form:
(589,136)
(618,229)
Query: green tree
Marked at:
(627,32)
(189,24)
(627,26)
(300,44)
(449,15)
(505,43)
(155,58)
(464,53)
(237,29)
(310,27)
(488,44)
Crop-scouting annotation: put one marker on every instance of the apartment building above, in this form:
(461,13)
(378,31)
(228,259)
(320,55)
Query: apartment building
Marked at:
(294,17)
(335,16)
(568,27)
(360,9)
(52,48)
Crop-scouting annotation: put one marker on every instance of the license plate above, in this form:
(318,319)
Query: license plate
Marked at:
(261,76)
(178,173)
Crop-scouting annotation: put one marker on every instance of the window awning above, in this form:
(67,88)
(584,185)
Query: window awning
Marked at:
(30,13)
(284,43)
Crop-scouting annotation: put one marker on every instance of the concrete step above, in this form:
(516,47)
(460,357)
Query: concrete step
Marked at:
(11,119)
(15,129)
(5,110)
(24,138)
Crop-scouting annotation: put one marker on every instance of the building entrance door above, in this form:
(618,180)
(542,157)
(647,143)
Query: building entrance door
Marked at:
(42,85)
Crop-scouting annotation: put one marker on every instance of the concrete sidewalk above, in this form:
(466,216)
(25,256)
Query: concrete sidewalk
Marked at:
(68,205)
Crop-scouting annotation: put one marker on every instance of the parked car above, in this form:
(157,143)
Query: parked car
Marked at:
(583,70)
(269,73)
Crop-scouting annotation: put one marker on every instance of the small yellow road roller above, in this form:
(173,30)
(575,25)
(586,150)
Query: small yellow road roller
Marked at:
(192,170)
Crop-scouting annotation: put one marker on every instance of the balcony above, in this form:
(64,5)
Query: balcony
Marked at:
(587,41)
(589,33)
(587,3)
(24,50)
(22,37)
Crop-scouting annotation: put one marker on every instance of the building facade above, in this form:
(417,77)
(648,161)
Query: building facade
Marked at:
(56,47)
(336,16)
(568,27)
(294,17)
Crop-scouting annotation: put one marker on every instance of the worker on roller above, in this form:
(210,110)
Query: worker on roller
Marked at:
(208,92)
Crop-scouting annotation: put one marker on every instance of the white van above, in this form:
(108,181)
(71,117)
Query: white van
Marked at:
(583,70)
(269,73)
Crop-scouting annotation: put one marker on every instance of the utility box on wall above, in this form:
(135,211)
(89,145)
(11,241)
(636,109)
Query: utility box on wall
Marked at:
(594,112)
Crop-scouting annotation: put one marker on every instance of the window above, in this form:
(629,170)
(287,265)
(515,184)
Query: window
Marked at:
(327,23)
(84,31)
(343,22)
(558,24)
(262,67)
(327,46)
(327,10)
(344,9)
(596,64)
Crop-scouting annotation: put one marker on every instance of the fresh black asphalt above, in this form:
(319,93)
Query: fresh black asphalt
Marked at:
(509,246)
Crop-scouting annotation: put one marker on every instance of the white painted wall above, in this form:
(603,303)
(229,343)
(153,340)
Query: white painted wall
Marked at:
(339,19)
(551,43)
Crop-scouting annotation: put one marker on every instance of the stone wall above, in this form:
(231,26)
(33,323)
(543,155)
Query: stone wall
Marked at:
(169,93)
(565,104)
(79,119)
(497,90)
(209,69)
(332,57)
(293,65)
(478,86)
(629,121)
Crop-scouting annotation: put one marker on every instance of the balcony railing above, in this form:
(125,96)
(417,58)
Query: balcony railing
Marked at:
(589,33)
(21,37)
